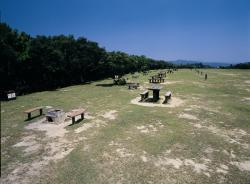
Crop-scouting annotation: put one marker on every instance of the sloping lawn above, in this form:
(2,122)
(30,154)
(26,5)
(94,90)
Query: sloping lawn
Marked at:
(205,139)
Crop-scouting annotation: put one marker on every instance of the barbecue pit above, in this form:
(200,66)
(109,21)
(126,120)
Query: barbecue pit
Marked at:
(55,115)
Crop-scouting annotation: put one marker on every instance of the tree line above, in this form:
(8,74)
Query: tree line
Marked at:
(38,63)
(238,66)
(193,65)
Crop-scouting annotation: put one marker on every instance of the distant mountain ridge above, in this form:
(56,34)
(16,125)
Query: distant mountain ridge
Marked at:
(212,64)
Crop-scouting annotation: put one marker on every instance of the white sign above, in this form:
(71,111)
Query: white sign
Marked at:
(11,95)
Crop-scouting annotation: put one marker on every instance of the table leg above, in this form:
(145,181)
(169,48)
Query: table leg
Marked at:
(156,95)
(29,115)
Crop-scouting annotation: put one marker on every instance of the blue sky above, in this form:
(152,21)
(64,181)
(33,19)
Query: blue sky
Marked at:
(204,30)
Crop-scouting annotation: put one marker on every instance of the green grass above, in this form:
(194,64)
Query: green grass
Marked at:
(222,98)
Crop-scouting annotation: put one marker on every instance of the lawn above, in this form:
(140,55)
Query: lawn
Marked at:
(204,139)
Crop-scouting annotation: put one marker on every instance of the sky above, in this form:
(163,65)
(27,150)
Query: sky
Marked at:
(201,30)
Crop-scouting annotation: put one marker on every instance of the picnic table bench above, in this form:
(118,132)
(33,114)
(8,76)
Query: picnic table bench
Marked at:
(144,95)
(167,96)
(76,113)
(161,80)
(156,80)
(29,111)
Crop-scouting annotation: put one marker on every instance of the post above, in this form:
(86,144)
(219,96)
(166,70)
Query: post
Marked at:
(82,116)
(141,97)
(156,95)
(29,115)
(41,111)
(73,120)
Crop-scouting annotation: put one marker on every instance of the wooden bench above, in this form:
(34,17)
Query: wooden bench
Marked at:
(76,113)
(167,96)
(144,95)
(154,80)
(29,111)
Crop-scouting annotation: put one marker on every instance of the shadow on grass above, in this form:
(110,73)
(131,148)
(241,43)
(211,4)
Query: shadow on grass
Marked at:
(105,85)
(150,100)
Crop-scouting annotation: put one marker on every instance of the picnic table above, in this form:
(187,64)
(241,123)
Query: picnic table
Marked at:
(133,85)
(156,79)
(162,74)
(156,92)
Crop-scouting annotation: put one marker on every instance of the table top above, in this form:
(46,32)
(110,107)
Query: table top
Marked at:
(155,87)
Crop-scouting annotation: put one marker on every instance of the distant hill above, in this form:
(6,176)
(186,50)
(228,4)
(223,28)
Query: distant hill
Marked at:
(217,65)
(184,62)
(212,64)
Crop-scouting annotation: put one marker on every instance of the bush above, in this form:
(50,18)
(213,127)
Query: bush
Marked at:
(122,81)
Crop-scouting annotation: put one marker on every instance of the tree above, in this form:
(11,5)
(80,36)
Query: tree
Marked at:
(48,62)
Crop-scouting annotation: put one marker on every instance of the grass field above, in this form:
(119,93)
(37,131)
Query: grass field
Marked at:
(205,139)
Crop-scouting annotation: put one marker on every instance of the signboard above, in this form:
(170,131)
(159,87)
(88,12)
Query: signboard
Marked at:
(11,95)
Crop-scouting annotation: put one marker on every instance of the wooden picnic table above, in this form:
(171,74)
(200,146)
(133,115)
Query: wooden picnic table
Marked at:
(156,79)
(162,74)
(133,85)
(156,92)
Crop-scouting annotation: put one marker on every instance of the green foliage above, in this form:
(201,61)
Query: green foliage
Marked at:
(193,65)
(239,66)
(121,81)
(48,62)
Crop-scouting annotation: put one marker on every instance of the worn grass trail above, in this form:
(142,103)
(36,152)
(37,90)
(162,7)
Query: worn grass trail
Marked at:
(206,139)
